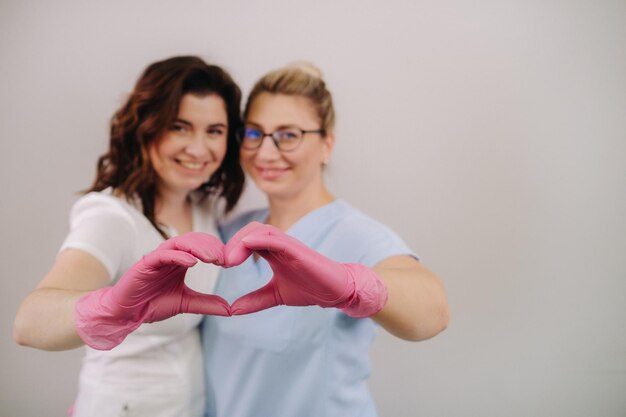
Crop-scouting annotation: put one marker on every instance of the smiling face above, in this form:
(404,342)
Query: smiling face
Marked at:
(193,148)
(284,175)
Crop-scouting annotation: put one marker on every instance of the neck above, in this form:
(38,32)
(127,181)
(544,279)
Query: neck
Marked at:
(284,212)
(173,209)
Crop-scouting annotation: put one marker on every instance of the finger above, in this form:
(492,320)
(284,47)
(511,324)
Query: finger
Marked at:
(234,251)
(167,257)
(145,277)
(203,246)
(258,300)
(207,304)
(246,230)
(274,242)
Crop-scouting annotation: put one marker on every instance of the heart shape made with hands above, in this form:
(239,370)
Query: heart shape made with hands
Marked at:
(301,275)
(154,288)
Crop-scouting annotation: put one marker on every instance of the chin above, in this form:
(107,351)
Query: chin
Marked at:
(190,186)
(274,190)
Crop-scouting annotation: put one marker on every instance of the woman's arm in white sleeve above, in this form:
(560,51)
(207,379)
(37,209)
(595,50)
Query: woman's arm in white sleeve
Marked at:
(45,319)
(417,307)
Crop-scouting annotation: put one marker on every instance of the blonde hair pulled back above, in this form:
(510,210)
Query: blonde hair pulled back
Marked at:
(299,78)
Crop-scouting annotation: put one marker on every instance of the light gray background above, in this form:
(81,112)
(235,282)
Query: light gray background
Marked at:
(490,134)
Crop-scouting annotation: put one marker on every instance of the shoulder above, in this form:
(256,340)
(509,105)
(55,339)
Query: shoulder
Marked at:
(230,226)
(354,223)
(105,227)
(357,237)
(101,216)
(102,205)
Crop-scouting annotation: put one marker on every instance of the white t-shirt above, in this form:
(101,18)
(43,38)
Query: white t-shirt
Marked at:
(158,369)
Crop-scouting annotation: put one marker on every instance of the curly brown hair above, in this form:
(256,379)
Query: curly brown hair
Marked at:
(148,113)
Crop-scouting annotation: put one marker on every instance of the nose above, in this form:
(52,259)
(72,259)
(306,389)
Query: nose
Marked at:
(268,148)
(197,146)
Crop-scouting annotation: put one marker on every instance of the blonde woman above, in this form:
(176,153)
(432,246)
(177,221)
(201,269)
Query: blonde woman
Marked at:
(310,276)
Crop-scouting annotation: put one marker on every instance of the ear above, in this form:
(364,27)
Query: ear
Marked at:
(329,143)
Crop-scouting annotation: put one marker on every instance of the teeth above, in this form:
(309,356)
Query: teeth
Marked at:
(191,165)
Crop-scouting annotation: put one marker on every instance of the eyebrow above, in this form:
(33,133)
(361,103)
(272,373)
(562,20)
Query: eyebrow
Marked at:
(186,123)
(280,127)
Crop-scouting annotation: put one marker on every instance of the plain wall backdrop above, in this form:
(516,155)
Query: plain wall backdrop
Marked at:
(491,135)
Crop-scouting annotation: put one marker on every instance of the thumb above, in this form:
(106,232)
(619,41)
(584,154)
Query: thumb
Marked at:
(261,299)
(208,304)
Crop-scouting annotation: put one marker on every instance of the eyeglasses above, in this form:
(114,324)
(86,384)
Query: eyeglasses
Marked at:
(286,139)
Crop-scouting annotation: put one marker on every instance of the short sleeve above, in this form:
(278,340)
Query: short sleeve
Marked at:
(100,226)
(367,241)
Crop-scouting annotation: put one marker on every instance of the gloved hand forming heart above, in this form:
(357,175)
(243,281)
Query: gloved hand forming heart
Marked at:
(302,276)
(152,290)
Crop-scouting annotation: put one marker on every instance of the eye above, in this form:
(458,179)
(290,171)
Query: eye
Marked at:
(252,134)
(287,135)
(179,127)
(216,131)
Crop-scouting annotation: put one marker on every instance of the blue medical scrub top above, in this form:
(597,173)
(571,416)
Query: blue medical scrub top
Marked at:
(296,361)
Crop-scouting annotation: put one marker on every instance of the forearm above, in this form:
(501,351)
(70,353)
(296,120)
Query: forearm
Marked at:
(45,320)
(417,308)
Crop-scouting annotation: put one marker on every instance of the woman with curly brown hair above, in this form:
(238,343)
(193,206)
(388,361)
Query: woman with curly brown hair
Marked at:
(172,157)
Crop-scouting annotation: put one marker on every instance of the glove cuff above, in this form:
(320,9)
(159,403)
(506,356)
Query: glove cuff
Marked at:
(370,293)
(98,322)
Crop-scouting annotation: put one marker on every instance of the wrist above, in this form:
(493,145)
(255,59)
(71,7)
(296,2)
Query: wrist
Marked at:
(370,292)
(100,322)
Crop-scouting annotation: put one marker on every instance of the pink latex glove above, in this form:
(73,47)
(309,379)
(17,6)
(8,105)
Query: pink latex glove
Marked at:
(302,276)
(151,290)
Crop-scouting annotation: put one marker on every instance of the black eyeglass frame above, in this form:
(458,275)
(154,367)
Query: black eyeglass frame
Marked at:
(240,137)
